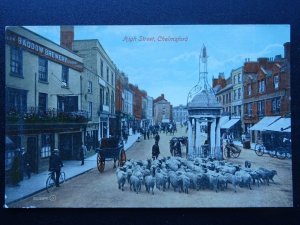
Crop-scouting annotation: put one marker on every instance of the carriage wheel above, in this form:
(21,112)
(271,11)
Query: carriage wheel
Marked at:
(235,154)
(100,163)
(122,158)
(281,153)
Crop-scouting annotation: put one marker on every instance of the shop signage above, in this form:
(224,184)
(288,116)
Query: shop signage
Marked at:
(41,50)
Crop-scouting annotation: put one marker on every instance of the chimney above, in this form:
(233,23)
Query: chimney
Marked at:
(262,61)
(67,36)
(287,48)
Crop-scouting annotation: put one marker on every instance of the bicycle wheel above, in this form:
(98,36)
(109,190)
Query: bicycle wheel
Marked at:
(281,153)
(62,177)
(50,184)
(259,149)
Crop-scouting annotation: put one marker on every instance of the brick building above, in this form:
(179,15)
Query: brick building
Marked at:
(162,110)
(266,88)
(138,96)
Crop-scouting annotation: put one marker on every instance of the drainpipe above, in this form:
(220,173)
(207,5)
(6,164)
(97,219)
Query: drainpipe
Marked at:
(35,95)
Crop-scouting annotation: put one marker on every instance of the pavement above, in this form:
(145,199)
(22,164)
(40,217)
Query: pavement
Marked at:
(37,182)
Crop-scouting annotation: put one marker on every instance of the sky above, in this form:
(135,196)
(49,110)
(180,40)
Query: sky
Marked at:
(172,67)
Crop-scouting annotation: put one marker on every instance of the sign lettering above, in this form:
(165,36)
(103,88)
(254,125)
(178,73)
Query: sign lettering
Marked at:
(19,41)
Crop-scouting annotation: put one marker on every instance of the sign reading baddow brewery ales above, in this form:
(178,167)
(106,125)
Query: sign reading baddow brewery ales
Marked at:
(41,50)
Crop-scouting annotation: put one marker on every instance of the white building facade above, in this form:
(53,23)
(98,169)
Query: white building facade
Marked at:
(99,66)
(42,97)
(180,114)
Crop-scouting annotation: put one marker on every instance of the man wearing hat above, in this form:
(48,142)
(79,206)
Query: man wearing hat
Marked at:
(155,150)
(55,164)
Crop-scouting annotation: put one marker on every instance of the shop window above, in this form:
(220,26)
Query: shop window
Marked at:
(9,156)
(47,140)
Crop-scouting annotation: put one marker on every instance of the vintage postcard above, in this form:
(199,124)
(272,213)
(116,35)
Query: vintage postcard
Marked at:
(148,116)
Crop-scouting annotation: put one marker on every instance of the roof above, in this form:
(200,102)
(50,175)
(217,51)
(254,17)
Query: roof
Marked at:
(204,99)
(281,125)
(227,87)
(264,123)
(266,72)
(229,123)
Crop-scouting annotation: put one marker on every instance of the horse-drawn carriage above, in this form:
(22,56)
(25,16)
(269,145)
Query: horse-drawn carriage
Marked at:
(231,150)
(110,148)
(175,145)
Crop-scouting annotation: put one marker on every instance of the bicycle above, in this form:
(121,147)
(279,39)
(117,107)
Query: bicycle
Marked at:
(50,182)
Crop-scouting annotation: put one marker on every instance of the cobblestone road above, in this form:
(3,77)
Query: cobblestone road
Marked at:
(94,189)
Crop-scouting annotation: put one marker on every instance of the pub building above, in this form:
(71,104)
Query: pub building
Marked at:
(43,98)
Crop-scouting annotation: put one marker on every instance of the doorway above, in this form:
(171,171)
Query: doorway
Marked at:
(33,154)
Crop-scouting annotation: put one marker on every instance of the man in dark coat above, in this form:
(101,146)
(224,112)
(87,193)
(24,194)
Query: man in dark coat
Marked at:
(157,138)
(55,164)
(82,153)
(26,164)
(155,150)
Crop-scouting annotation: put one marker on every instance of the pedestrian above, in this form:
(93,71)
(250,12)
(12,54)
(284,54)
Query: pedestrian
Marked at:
(145,133)
(26,163)
(15,170)
(148,134)
(55,165)
(157,138)
(82,152)
(155,150)
(178,148)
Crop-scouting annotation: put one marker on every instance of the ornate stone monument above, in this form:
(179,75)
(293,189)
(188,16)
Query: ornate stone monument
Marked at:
(204,113)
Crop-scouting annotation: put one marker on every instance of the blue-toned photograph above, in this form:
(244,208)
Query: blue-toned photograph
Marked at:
(148,116)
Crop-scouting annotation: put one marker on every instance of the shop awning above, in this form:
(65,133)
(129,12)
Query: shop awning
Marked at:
(264,123)
(8,141)
(281,125)
(229,123)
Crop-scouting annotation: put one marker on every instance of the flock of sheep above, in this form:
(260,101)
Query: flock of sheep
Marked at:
(182,174)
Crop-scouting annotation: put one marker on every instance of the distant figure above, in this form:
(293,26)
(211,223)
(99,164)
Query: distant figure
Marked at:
(145,133)
(26,164)
(155,150)
(148,134)
(55,165)
(243,137)
(15,170)
(82,153)
(157,138)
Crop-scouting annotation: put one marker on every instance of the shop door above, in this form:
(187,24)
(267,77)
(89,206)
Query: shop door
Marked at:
(33,154)
(76,145)
(65,146)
